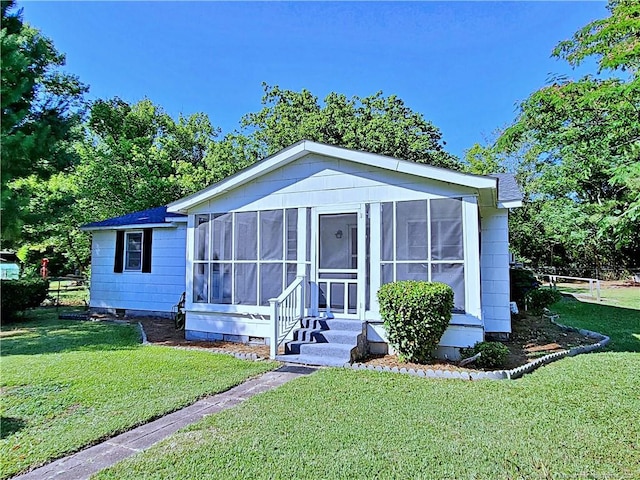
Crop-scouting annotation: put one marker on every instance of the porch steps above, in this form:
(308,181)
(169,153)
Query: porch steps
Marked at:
(329,342)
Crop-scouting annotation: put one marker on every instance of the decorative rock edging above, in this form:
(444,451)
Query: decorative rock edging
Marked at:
(496,374)
(241,356)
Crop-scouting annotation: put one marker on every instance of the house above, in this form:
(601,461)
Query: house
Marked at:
(138,262)
(294,248)
(9,265)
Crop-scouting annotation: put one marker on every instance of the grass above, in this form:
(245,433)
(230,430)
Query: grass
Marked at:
(575,418)
(68,292)
(561,422)
(610,293)
(67,384)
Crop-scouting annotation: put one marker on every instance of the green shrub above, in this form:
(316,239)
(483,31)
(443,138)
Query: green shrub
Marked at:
(415,315)
(541,298)
(20,295)
(522,282)
(492,354)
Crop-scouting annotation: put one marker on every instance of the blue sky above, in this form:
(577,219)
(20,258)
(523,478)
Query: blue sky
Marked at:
(463,65)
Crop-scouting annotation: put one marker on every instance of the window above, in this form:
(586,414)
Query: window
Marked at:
(244,258)
(133,251)
(423,240)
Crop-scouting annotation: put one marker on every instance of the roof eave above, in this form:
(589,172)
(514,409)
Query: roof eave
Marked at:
(134,226)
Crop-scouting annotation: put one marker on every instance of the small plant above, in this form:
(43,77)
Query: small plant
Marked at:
(523,281)
(541,298)
(20,295)
(415,314)
(492,354)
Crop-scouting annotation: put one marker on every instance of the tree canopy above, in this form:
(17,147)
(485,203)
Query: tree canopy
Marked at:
(378,124)
(578,149)
(41,107)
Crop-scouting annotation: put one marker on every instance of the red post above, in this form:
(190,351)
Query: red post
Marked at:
(44,270)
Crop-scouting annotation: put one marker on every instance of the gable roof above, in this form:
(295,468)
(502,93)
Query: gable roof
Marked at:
(156,217)
(304,147)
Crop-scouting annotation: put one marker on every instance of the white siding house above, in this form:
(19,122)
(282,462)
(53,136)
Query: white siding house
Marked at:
(144,272)
(314,231)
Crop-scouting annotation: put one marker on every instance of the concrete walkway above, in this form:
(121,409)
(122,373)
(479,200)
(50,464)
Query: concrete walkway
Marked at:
(85,463)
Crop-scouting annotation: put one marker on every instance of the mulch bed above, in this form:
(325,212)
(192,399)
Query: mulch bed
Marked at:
(531,338)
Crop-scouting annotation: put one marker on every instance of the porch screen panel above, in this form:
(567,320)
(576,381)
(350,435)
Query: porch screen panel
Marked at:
(270,281)
(411,230)
(453,275)
(292,234)
(245,284)
(271,235)
(446,229)
(201,283)
(292,273)
(412,271)
(246,236)
(202,237)
(221,232)
(221,283)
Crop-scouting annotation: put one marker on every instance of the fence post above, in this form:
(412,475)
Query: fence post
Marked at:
(273,345)
(598,289)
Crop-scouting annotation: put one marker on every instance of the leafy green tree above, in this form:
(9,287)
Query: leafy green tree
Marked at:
(377,124)
(578,143)
(483,160)
(40,106)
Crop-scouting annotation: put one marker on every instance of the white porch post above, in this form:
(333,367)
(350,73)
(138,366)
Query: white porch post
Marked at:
(273,346)
(375,226)
(472,256)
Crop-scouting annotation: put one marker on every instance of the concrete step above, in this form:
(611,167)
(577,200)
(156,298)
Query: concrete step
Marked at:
(317,323)
(336,350)
(311,360)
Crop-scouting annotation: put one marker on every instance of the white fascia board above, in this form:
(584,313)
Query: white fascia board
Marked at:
(304,147)
(510,204)
(138,226)
(410,168)
(261,168)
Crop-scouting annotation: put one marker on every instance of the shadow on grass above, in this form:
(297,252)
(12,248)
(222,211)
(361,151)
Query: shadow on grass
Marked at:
(10,425)
(46,334)
(621,324)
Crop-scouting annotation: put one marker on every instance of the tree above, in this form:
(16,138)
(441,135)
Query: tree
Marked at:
(377,124)
(40,108)
(578,143)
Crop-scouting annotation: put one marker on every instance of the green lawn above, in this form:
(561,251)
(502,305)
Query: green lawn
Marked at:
(575,418)
(68,384)
(613,295)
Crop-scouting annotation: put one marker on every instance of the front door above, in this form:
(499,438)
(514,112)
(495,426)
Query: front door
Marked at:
(338,263)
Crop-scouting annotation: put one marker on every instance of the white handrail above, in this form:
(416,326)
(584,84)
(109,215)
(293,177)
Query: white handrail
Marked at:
(286,311)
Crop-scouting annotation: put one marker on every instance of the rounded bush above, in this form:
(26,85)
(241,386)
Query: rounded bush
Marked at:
(492,354)
(415,315)
(541,298)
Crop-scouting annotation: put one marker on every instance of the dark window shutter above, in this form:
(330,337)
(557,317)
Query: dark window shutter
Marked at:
(118,260)
(147,240)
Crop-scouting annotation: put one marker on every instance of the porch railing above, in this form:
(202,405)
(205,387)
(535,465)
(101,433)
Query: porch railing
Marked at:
(286,311)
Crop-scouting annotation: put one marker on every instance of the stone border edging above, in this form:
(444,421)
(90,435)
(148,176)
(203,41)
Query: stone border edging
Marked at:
(496,374)
(240,356)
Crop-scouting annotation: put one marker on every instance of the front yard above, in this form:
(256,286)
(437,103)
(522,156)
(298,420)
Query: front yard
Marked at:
(68,384)
(576,418)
